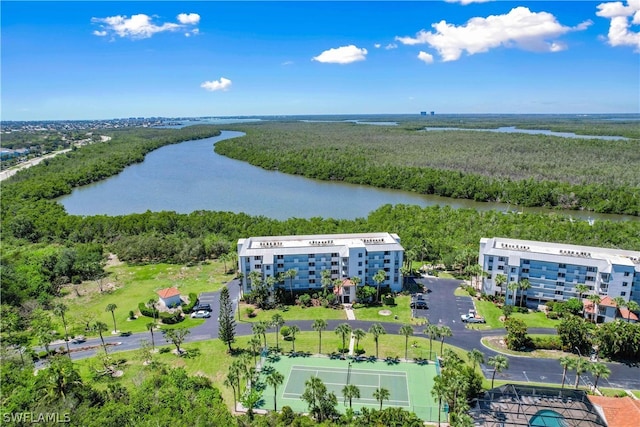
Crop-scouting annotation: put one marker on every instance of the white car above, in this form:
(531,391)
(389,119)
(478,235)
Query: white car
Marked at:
(200,314)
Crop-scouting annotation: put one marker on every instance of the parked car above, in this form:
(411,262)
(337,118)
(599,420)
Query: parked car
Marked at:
(202,307)
(78,340)
(419,304)
(200,314)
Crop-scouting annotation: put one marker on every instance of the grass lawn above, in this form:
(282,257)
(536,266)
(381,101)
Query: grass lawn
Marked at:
(400,310)
(126,286)
(294,312)
(492,315)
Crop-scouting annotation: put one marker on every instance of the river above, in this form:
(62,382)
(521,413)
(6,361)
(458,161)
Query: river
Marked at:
(190,176)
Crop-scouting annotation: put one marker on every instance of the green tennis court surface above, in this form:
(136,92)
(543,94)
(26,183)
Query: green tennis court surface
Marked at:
(409,384)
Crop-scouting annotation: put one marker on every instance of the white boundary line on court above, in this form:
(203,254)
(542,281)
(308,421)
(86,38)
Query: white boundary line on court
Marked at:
(344,370)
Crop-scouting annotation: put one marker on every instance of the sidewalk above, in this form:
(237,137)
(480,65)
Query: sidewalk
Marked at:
(350,316)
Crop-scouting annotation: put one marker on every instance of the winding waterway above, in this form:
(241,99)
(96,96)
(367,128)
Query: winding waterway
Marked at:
(190,176)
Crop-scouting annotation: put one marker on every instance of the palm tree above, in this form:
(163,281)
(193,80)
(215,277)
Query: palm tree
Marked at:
(595,300)
(475,356)
(581,289)
(407,331)
(350,392)
(444,332)
(291,274)
(434,332)
(500,280)
(439,390)
(260,328)
(277,321)
(59,310)
(524,286)
(619,302)
(152,305)
(581,366)
(112,308)
(513,287)
(150,327)
(379,277)
(274,379)
(567,363)
(233,381)
(319,325)
(599,370)
(325,281)
(632,306)
(358,334)
(381,394)
(376,330)
(101,327)
(255,343)
(343,330)
(294,329)
(499,363)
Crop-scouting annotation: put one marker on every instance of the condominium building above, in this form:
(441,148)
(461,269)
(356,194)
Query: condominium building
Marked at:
(554,270)
(345,256)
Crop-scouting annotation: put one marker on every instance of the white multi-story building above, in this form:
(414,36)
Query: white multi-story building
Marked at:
(554,270)
(345,255)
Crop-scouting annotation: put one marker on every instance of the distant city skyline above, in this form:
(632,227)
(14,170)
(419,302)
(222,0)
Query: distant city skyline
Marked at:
(83,60)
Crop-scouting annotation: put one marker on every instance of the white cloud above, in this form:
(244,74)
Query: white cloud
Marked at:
(189,18)
(520,28)
(342,55)
(215,85)
(377,45)
(391,46)
(141,26)
(425,57)
(287,63)
(621,19)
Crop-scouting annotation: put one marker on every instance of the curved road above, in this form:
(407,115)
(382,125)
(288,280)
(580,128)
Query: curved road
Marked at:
(444,309)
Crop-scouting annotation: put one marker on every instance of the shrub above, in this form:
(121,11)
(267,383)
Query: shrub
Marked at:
(285,331)
(193,300)
(389,300)
(164,350)
(132,315)
(553,315)
(550,342)
(305,300)
(146,311)
(358,305)
(171,319)
(358,351)
(250,312)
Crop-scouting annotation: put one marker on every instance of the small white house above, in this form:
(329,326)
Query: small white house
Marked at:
(170,297)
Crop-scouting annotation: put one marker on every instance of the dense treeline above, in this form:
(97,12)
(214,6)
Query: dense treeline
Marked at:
(527,170)
(43,246)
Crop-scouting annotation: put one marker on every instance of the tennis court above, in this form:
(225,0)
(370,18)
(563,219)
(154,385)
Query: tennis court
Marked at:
(409,384)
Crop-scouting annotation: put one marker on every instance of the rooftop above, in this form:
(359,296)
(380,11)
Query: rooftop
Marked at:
(168,292)
(618,411)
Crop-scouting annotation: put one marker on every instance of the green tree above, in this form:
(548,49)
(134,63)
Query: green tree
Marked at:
(500,281)
(319,325)
(476,357)
(595,300)
(254,344)
(524,286)
(277,321)
(291,274)
(439,391)
(260,328)
(343,330)
(575,332)
(599,370)
(60,309)
(379,277)
(150,327)
(499,363)
(407,331)
(358,334)
(101,327)
(112,309)
(350,392)
(619,340)
(322,404)
(274,379)
(227,323)
(381,394)
(376,330)
(567,363)
(294,329)
(434,333)
(444,332)
(176,336)
(517,337)
(513,287)
(326,281)
(632,307)
(581,366)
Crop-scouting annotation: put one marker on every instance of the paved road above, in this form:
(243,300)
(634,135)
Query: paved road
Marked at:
(443,310)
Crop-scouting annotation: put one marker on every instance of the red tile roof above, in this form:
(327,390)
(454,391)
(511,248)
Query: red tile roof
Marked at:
(628,314)
(168,292)
(619,411)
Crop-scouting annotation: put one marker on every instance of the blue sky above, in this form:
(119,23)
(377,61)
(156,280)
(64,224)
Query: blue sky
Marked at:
(100,60)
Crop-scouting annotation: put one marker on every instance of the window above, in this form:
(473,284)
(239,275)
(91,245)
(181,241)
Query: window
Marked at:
(280,257)
(312,264)
(490,268)
(258,266)
(562,266)
(360,255)
(623,294)
(268,267)
(591,269)
(501,267)
(490,259)
(558,292)
(589,279)
(626,274)
(334,271)
(386,252)
(559,283)
(359,263)
(525,270)
(335,254)
(334,262)
(501,259)
(625,284)
(280,265)
(312,281)
(525,261)
(257,258)
(513,269)
(560,275)
(359,272)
